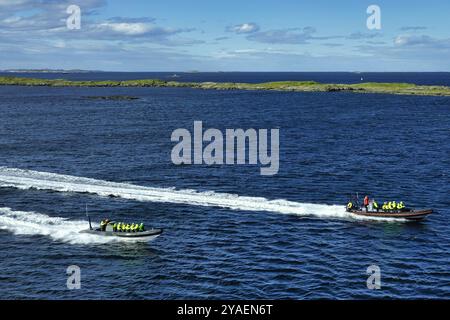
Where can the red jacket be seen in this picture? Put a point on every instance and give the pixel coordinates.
(366, 200)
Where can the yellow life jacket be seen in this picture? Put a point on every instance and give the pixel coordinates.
(349, 205)
(375, 204)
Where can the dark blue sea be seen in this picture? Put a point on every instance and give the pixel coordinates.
(229, 232)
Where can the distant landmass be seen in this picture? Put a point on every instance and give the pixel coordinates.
(50, 71)
(305, 86)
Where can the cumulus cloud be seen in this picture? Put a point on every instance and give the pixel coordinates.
(132, 20)
(286, 36)
(249, 27)
(421, 41)
(139, 29)
(41, 15)
(131, 32)
(47, 19)
(412, 52)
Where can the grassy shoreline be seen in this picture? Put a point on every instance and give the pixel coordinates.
(298, 86)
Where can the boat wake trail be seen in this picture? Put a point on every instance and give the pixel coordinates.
(27, 179)
(61, 229)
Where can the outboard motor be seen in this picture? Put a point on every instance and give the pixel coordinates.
(89, 219)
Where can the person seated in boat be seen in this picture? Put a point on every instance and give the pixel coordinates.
(133, 227)
(385, 206)
(375, 205)
(349, 206)
(141, 227)
(392, 206)
(400, 206)
(103, 224)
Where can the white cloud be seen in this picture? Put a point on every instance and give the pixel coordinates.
(244, 28)
(132, 29)
(421, 41)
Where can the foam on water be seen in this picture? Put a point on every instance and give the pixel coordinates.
(57, 228)
(26, 179)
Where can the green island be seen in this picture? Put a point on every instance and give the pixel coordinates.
(299, 86)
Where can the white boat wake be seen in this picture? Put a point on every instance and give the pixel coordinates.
(27, 179)
(60, 229)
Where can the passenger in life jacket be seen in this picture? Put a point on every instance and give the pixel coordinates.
(375, 205)
(389, 206)
(400, 206)
(385, 206)
(141, 227)
(103, 224)
(366, 203)
(349, 206)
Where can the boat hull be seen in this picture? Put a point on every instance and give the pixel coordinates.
(409, 215)
(142, 236)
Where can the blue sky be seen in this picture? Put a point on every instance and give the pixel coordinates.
(231, 35)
